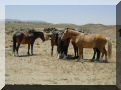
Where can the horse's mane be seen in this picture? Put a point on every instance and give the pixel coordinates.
(72, 31)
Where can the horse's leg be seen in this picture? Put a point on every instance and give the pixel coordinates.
(31, 49)
(17, 48)
(74, 48)
(80, 54)
(52, 50)
(65, 52)
(14, 49)
(105, 52)
(94, 49)
(98, 54)
(77, 51)
(102, 51)
(14, 45)
(28, 49)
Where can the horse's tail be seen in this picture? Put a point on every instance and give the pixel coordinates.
(109, 48)
(14, 43)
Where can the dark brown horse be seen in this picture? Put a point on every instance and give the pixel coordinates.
(26, 37)
(62, 46)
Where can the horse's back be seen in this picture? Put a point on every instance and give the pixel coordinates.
(93, 40)
(22, 37)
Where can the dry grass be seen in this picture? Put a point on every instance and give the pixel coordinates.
(44, 69)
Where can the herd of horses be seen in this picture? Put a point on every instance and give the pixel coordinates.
(62, 39)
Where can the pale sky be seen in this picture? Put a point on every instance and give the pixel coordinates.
(62, 2)
(75, 14)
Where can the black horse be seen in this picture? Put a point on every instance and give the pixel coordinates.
(55, 37)
(62, 47)
(26, 37)
(49, 30)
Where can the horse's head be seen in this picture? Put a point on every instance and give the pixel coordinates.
(47, 36)
(49, 30)
(46, 30)
(66, 34)
(41, 35)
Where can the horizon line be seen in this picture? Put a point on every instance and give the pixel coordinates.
(53, 22)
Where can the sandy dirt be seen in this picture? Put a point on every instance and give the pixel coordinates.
(43, 69)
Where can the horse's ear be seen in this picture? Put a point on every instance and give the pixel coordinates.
(67, 30)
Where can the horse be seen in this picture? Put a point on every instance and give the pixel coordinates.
(62, 46)
(89, 41)
(26, 37)
(96, 51)
(49, 30)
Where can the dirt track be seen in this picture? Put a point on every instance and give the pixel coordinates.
(43, 69)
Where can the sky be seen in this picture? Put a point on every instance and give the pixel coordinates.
(75, 14)
(61, 2)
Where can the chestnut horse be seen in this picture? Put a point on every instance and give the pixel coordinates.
(26, 37)
(88, 41)
(96, 51)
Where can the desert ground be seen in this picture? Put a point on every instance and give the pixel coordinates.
(44, 69)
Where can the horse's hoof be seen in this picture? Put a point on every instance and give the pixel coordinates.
(101, 61)
(58, 57)
(14, 55)
(82, 61)
(17, 55)
(65, 57)
(77, 60)
(91, 60)
(76, 57)
(106, 61)
(97, 60)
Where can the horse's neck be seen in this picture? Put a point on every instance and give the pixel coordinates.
(74, 33)
(78, 37)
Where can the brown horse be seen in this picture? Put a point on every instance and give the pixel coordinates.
(26, 37)
(88, 41)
